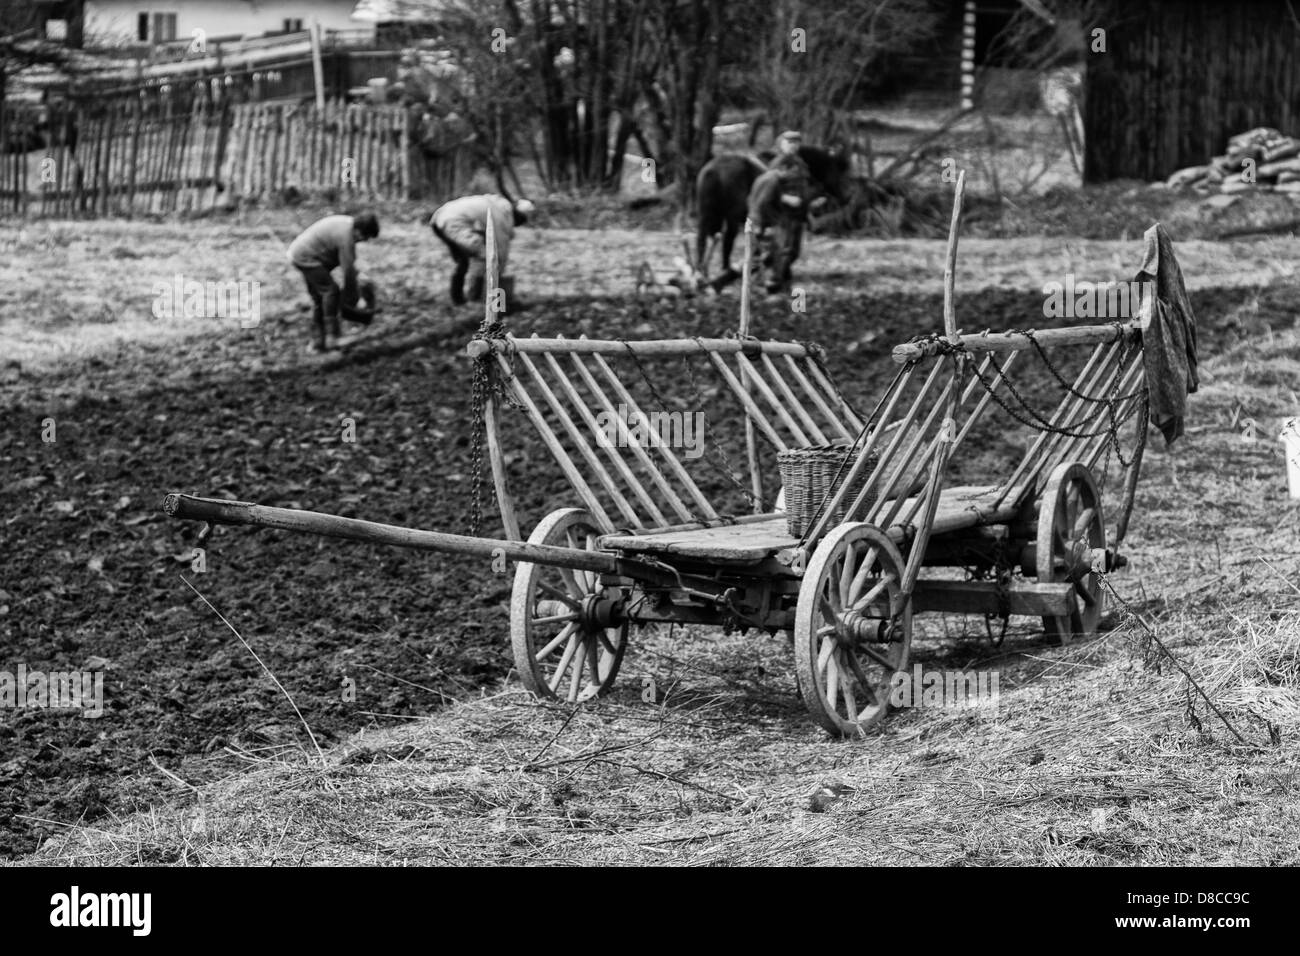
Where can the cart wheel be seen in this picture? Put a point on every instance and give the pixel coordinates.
(852, 628)
(1069, 528)
(561, 620)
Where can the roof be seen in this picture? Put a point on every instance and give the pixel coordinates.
(402, 11)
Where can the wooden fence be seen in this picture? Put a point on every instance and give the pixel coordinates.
(164, 155)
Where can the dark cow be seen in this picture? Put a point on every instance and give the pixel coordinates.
(722, 193)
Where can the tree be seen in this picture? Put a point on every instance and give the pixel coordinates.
(814, 59)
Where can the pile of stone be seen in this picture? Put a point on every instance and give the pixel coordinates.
(1260, 160)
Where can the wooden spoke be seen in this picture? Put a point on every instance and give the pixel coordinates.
(575, 681)
(862, 677)
(850, 701)
(555, 619)
(574, 643)
(559, 639)
(552, 591)
(878, 657)
(832, 681)
(823, 655)
(593, 657)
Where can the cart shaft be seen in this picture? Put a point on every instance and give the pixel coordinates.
(221, 511)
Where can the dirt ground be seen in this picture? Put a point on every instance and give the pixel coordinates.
(90, 577)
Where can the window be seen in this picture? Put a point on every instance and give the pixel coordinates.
(142, 28)
(293, 24)
(56, 30)
(164, 27)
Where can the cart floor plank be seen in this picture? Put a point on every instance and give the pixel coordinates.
(756, 541)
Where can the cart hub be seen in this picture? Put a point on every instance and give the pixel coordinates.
(853, 627)
(602, 610)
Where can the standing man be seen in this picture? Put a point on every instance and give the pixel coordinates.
(326, 245)
(778, 205)
(788, 145)
(462, 225)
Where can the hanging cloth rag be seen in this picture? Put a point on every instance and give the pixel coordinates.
(1169, 335)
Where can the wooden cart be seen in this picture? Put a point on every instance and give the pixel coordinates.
(643, 542)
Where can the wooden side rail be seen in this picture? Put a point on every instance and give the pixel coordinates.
(586, 346)
(1016, 341)
(599, 420)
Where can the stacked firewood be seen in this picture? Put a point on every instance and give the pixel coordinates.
(1258, 160)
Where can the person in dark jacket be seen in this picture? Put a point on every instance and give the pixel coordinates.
(778, 206)
(326, 245)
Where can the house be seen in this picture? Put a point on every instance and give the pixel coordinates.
(129, 22)
(1177, 78)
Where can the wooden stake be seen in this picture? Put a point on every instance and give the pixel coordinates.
(948, 434)
(950, 264)
(317, 68)
(751, 440)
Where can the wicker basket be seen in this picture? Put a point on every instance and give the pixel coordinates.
(811, 477)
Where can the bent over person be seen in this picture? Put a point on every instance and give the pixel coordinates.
(326, 245)
(462, 226)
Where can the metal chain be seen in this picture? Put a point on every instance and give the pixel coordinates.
(1104, 409)
(486, 387)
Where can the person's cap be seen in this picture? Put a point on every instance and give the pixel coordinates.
(524, 207)
(791, 136)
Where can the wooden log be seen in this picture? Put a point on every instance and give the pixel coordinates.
(985, 597)
(586, 346)
(220, 511)
(1011, 341)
